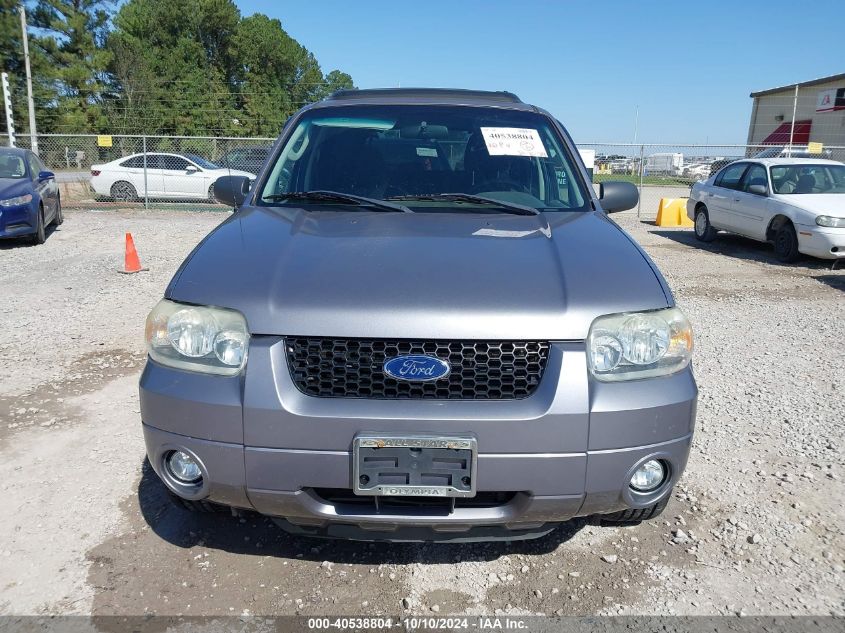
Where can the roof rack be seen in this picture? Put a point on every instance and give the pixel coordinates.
(453, 93)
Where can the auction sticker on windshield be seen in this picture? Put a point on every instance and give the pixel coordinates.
(513, 141)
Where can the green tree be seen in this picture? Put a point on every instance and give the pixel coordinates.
(276, 75)
(185, 68)
(70, 39)
(267, 61)
(337, 80)
(171, 68)
(12, 62)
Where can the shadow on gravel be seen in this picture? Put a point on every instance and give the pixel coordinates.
(741, 247)
(8, 243)
(834, 281)
(254, 534)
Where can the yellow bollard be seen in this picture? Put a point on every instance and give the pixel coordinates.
(673, 212)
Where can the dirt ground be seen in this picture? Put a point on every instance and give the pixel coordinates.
(756, 526)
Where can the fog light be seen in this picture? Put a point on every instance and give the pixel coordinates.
(183, 467)
(649, 476)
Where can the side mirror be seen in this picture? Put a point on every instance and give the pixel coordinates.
(191, 169)
(231, 190)
(45, 175)
(617, 195)
(758, 190)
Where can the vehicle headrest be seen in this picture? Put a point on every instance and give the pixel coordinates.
(805, 183)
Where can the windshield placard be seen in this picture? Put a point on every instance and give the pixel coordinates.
(513, 141)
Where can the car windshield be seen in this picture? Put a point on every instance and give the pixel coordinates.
(12, 166)
(199, 160)
(808, 179)
(417, 153)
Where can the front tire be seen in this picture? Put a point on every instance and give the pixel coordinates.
(200, 506)
(786, 243)
(60, 217)
(211, 197)
(633, 516)
(704, 231)
(40, 235)
(122, 191)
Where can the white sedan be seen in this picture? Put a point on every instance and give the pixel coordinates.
(797, 204)
(172, 176)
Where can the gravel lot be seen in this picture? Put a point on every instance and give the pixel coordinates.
(756, 527)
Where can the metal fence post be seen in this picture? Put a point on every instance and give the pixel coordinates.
(144, 146)
(640, 199)
(792, 127)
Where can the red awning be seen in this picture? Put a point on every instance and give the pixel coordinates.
(801, 135)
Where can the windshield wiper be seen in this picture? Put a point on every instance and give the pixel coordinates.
(512, 207)
(336, 196)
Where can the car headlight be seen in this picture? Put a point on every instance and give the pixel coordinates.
(13, 202)
(830, 221)
(639, 345)
(197, 338)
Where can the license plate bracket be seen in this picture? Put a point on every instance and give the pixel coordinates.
(414, 465)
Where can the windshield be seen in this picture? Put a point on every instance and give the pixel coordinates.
(199, 160)
(385, 152)
(798, 179)
(12, 166)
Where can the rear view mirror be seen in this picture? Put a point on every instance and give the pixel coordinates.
(617, 195)
(231, 190)
(758, 190)
(191, 169)
(45, 175)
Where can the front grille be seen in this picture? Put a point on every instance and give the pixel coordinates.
(352, 368)
(348, 501)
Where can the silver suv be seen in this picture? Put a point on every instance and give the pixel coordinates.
(420, 324)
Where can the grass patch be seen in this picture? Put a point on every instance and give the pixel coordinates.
(666, 181)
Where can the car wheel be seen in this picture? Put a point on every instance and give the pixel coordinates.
(704, 231)
(211, 197)
(60, 217)
(786, 243)
(633, 516)
(123, 192)
(40, 235)
(201, 506)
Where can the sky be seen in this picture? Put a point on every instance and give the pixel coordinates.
(688, 66)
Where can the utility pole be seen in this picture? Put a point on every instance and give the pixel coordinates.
(32, 132)
(792, 127)
(7, 102)
(636, 124)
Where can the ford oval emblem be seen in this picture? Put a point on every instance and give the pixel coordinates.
(416, 368)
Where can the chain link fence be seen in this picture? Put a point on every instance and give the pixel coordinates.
(175, 171)
(148, 171)
(669, 171)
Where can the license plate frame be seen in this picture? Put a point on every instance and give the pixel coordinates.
(406, 464)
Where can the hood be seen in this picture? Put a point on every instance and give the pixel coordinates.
(817, 203)
(224, 171)
(13, 187)
(428, 275)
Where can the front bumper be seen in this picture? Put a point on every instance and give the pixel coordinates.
(821, 242)
(17, 221)
(568, 450)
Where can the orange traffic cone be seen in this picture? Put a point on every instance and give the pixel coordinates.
(131, 262)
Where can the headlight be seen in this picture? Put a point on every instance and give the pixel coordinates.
(830, 221)
(639, 345)
(197, 338)
(13, 202)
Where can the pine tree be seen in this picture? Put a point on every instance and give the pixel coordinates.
(72, 46)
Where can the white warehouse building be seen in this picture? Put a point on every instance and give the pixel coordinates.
(819, 113)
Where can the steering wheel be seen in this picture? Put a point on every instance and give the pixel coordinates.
(393, 190)
(502, 185)
(283, 181)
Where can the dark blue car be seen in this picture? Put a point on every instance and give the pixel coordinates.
(29, 196)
